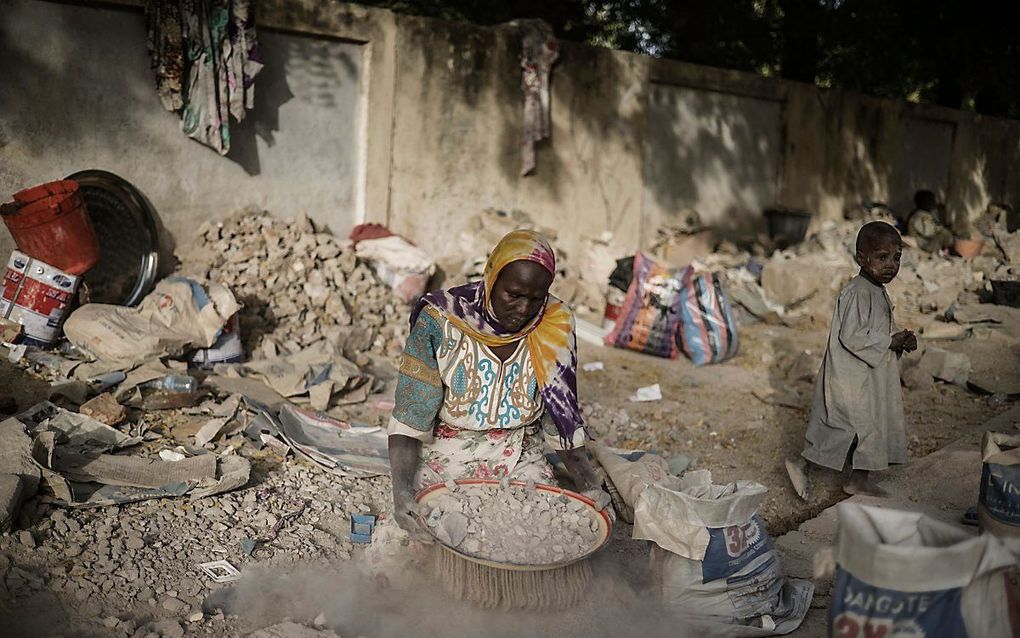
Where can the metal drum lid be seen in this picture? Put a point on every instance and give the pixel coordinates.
(125, 224)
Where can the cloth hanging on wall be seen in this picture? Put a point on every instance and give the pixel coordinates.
(205, 56)
(539, 50)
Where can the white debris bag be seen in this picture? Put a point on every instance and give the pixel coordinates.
(399, 264)
(179, 315)
(999, 498)
(632, 477)
(902, 574)
(714, 560)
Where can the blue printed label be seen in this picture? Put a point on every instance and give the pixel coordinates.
(731, 549)
(859, 610)
(1000, 492)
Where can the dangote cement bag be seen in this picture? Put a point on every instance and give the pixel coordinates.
(650, 316)
(902, 574)
(999, 498)
(708, 330)
(714, 560)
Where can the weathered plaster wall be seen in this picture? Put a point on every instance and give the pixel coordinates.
(457, 131)
(364, 114)
(77, 92)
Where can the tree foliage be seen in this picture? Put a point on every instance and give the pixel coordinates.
(949, 52)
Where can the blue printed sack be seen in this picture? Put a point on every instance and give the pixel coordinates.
(714, 561)
(999, 497)
(902, 574)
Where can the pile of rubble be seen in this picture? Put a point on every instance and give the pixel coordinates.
(298, 286)
(801, 282)
(135, 570)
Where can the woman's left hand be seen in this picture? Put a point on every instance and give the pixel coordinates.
(600, 496)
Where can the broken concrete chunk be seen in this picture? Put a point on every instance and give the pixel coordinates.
(105, 409)
(788, 281)
(452, 529)
(11, 489)
(944, 330)
(16, 456)
(916, 377)
(952, 367)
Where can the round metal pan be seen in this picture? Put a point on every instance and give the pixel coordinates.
(125, 224)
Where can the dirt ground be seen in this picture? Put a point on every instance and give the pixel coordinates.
(120, 571)
(711, 414)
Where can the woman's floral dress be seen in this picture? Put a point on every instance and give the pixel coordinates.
(476, 416)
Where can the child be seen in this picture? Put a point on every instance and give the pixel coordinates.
(857, 412)
(925, 224)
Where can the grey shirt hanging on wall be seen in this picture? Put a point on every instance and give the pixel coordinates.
(857, 393)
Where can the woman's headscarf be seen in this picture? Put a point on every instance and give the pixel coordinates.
(549, 335)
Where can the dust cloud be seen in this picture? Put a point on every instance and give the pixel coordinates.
(356, 604)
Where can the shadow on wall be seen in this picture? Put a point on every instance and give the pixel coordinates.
(716, 153)
(35, 118)
(603, 98)
(465, 114)
(312, 63)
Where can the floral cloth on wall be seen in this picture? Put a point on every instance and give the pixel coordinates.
(205, 56)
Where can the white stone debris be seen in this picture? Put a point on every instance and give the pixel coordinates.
(514, 524)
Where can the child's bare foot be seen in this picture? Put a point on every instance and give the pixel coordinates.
(861, 483)
(798, 469)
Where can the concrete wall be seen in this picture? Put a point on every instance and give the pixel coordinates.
(717, 153)
(364, 114)
(457, 130)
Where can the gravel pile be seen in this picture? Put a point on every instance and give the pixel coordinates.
(298, 286)
(133, 570)
(519, 524)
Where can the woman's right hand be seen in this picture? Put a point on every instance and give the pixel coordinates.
(406, 514)
(403, 463)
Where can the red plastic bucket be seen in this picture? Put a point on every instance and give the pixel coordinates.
(51, 224)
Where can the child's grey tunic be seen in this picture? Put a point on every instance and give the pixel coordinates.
(857, 392)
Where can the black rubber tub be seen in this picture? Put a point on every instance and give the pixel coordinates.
(787, 227)
(1006, 293)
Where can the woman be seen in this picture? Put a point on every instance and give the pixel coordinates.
(488, 375)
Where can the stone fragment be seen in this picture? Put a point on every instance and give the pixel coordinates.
(25, 538)
(917, 377)
(173, 605)
(166, 628)
(952, 367)
(104, 408)
(11, 491)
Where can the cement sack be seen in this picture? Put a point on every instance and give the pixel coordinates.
(999, 498)
(901, 574)
(714, 560)
(650, 316)
(630, 478)
(179, 315)
(399, 264)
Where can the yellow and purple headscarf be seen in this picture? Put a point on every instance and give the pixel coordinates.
(550, 336)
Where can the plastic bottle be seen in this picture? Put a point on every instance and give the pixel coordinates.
(174, 384)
